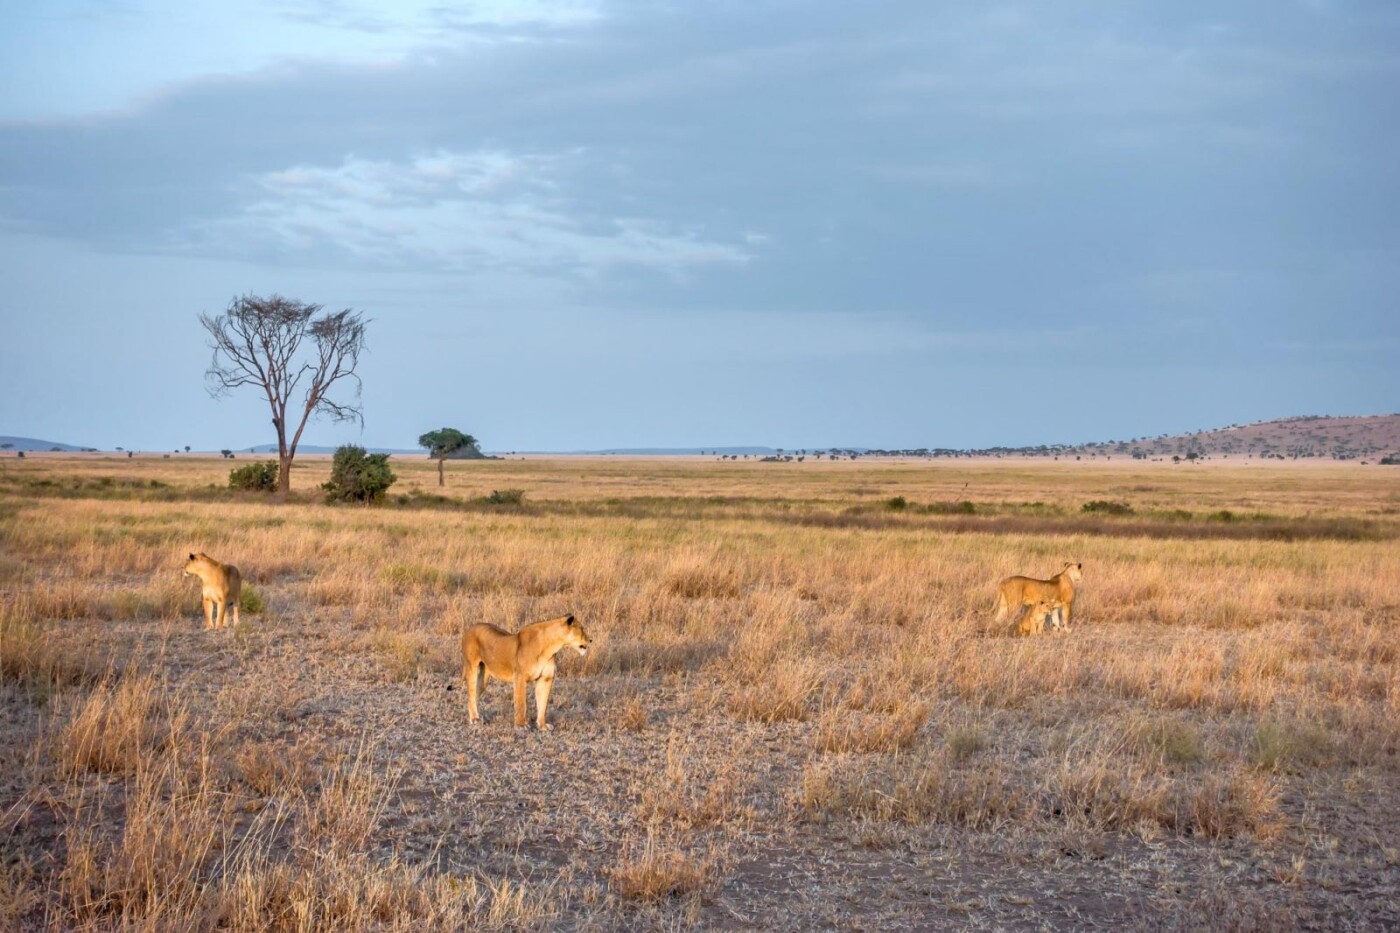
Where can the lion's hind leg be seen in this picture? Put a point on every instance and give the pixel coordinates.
(1003, 608)
(474, 673)
(521, 720)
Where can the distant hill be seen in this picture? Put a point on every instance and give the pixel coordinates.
(28, 444)
(1366, 437)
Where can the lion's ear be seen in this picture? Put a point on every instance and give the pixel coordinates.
(191, 557)
(569, 620)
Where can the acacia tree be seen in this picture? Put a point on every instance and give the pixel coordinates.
(259, 342)
(444, 442)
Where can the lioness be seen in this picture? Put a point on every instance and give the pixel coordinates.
(223, 586)
(1032, 621)
(526, 656)
(1017, 592)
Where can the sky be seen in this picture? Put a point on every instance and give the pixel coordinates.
(593, 224)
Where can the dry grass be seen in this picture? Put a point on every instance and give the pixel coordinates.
(653, 871)
(782, 663)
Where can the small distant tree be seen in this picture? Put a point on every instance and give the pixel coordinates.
(187, 448)
(258, 342)
(358, 477)
(444, 442)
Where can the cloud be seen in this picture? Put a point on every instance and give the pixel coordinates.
(448, 211)
(948, 160)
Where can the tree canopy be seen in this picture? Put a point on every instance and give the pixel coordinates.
(444, 442)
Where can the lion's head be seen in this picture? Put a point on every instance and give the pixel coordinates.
(574, 635)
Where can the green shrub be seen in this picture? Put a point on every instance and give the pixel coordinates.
(506, 497)
(260, 477)
(897, 504)
(1108, 507)
(358, 477)
(250, 602)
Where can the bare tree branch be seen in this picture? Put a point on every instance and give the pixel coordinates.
(256, 342)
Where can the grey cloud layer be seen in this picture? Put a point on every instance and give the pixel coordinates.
(923, 147)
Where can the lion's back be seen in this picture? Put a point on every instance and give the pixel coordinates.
(485, 642)
(1027, 589)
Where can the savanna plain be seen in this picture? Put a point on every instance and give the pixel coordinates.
(797, 712)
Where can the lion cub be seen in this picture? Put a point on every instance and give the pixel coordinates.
(1016, 592)
(222, 588)
(1032, 621)
(526, 656)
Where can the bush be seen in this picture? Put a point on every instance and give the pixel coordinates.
(250, 601)
(358, 477)
(506, 497)
(965, 507)
(897, 504)
(260, 477)
(1108, 507)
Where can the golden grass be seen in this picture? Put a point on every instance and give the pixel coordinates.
(655, 871)
(811, 657)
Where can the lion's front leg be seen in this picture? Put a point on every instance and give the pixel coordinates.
(542, 688)
(208, 613)
(520, 718)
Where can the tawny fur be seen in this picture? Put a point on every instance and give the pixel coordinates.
(1015, 593)
(524, 657)
(1032, 621)
(223, 586)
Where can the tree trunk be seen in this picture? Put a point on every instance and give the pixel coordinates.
(284, 476)
(442, 458)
